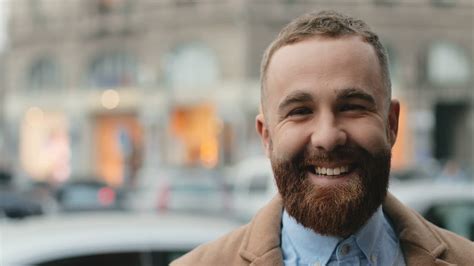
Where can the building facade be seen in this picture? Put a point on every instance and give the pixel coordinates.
(111, 87)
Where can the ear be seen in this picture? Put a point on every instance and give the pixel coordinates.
(393, 116)
(262, 131)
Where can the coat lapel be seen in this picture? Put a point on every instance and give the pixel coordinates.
(420, 245)
(261, 244)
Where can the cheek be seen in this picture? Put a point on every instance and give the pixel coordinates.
(288, 141)
(371, 137)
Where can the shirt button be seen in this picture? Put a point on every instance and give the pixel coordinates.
(317, 263)
(373, 259)
(345, 249)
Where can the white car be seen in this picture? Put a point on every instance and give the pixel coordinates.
(253, 186)
(180, 190)
(105, 238)
(448, 205)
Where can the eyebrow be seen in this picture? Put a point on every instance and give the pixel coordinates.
(294, 97)
(355, 93)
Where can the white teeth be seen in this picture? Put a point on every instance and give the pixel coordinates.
(331, 171)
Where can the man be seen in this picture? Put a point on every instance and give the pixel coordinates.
(328, 124)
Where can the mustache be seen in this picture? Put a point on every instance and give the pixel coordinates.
(339, 154)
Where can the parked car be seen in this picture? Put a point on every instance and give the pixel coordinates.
(15, 205)
(88, 195)
(108, 238)
(448, 205)
(253, 186)
(181, 190)
(13, 202)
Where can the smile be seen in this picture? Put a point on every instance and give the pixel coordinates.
(329, 171)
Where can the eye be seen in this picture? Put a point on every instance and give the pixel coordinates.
(300, 111)
(352, 107)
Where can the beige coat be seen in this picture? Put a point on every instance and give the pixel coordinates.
(258, 243)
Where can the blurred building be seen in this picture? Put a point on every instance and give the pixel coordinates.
(106, 87)
(2, 110)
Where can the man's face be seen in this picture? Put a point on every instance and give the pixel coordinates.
(328, 131)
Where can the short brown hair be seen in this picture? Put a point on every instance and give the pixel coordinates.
(330, 24)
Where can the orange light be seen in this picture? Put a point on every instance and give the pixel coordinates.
(402, 150)
(198, 129)
(209, 152)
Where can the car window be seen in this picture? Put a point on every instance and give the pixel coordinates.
(80, 196)
(165, 257)
(157, 258)
(457, 216)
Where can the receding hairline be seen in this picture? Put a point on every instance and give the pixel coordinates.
(327, 24)
(315, 37)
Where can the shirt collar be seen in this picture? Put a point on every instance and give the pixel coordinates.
(308, 245)
(311, 246)
(375, 236)
(370, 235)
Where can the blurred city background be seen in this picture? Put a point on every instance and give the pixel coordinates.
(148, 106)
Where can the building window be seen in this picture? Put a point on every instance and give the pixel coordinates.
(113, 70)
(113, 6)
(37, 13)
(105, 6)
(447, 64)
(185, 2)
(191, 65)
(443, 3)
(386, 2)
(43, 74)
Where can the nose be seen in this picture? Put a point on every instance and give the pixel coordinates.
(327, 133)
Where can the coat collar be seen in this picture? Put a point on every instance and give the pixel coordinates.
(261, 243)
(420, 245)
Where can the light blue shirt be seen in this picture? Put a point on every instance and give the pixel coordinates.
(374, 244)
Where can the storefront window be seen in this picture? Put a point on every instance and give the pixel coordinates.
(119, 148)
(196, 130)
(44, 146)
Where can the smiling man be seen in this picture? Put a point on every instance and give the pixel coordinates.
(328, 124)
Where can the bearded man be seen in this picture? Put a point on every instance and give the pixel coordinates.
(328, 123)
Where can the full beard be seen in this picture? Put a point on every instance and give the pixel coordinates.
(334, 210)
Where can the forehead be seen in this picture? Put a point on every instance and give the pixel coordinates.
(324, 63)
